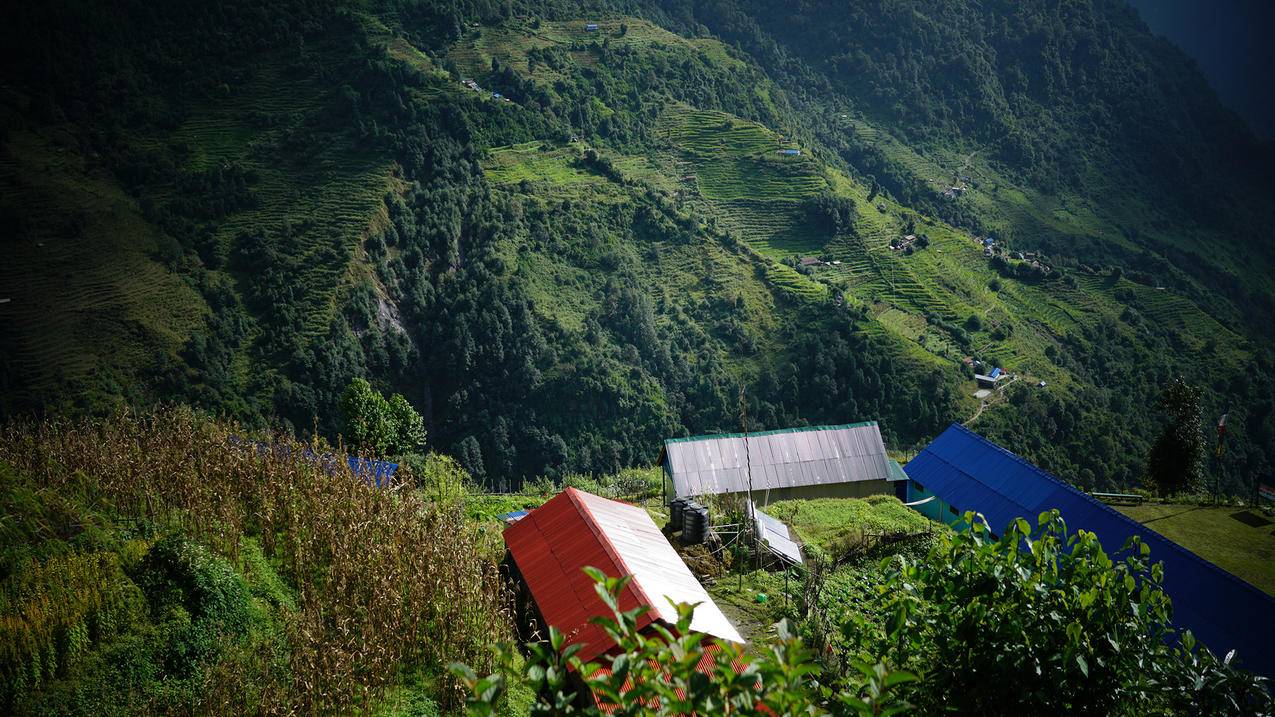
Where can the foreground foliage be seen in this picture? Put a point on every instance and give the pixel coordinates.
(150, 565)
(1039, 621)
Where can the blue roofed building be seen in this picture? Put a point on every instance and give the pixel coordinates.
(373, 472)
(961, 471)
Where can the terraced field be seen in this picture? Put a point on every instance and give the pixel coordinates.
(774, 228)
(327, 192)
(508, 45)
(729, 169)
(536, 161)
(753, 190)
(77, 317)
(83, 322)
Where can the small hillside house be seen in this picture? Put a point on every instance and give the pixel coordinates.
(847, 461)
(551, 545)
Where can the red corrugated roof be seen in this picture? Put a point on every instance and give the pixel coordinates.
(550, 546)
(555, 541)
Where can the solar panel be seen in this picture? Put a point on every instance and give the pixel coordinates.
(775, 535)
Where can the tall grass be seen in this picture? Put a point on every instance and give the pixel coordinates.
(385, 581)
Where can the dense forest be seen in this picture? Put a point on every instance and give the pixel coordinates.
(245, 206)
(512, 246)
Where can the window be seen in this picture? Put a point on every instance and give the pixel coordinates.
(954, 510)
(918, 486)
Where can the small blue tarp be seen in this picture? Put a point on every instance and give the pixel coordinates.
(379, 474)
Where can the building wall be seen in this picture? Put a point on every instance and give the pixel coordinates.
(937, 509)
(856, 489)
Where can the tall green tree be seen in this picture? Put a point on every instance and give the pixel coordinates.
(1176, 460)
(372, 424)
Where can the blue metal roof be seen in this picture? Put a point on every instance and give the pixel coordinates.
(513, 516)
(1224, 612)
(373, 472)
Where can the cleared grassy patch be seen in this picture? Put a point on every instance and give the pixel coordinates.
(1239, 540)
(824, 522)
(536, 161)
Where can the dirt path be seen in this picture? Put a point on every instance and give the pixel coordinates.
(982, 405)
(997, 396)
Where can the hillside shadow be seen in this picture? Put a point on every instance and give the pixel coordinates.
(1251, 519)
(1171, 515)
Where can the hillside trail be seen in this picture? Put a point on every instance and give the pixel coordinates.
(982, 405)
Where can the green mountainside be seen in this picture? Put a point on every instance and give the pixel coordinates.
(563, 244)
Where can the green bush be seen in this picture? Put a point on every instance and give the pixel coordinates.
(198, 597)
(1037, 622)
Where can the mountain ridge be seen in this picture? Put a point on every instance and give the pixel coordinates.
(560, 280)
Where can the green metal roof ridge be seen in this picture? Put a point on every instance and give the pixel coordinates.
(795, 429)
(896, 470)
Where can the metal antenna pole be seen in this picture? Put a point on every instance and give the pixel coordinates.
(748, 464)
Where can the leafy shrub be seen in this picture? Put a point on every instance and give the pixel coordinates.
(55, 613)
(637, 483)
(380, 580)
(1035, 622)
(200, 597)
(1041, 619)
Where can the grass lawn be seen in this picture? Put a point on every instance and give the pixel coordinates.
(1240, 540)
(738, 599)
(822, 522)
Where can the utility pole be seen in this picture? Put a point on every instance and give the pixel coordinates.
(748, 465)
(1221, 449)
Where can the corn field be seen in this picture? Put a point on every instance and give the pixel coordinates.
(384, 579)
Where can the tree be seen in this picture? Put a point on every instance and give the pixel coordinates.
(371, 424)
(1176, 460)
(409, 427)
(470, 455)
(831, 213)
(443, 479)
(365, 418)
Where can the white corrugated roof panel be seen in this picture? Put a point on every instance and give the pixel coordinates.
(657, 569)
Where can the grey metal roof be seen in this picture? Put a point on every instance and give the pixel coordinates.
(820, 455)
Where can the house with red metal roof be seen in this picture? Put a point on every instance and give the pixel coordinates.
(553, 543)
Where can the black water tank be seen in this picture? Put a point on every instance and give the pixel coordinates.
(675, 513)
(694, 524)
